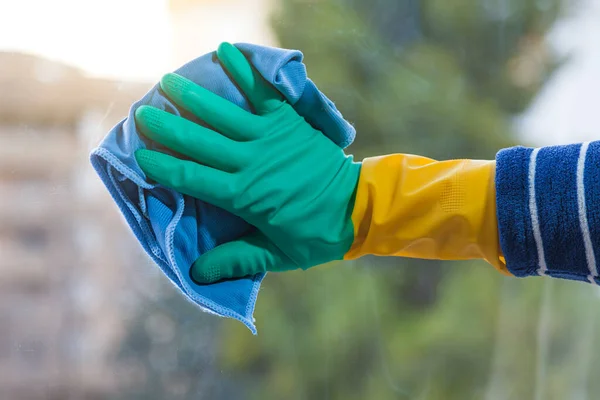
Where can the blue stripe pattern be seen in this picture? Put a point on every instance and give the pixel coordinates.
(548, 205)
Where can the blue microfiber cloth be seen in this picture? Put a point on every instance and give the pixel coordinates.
(548, 203)
(175, 229)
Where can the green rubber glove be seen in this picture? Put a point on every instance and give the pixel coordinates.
(272, 169)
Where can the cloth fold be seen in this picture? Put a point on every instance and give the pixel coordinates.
(175, 229)
(548, 203)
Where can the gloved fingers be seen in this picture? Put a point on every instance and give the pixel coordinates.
(264, 97)
(224, 116)
(205, 183)
(249, 255)
(195, 141)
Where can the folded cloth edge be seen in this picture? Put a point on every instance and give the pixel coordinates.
(204, 303)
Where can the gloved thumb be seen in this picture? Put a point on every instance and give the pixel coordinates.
(249, 255)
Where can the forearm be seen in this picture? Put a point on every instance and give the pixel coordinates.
(413, 206)
(531, 212)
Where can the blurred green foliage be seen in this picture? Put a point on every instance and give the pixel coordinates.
(437, 78)
(449, 92)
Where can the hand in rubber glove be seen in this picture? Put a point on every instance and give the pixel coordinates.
(271, 168)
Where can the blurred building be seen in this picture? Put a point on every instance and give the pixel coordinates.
(63, 247)
(200, 25)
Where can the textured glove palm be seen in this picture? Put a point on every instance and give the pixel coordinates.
(271, 168)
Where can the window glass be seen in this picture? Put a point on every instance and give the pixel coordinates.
(85, 314)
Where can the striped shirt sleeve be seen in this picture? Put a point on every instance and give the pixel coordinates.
(548, 208)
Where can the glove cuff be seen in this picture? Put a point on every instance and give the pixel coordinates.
(413, 206)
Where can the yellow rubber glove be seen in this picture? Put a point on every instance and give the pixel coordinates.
(413, 206)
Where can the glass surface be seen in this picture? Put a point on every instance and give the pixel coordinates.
(84, 314)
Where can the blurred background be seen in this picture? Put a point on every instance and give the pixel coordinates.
(84, 314)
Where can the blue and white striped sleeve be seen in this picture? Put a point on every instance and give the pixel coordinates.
(548, 207)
